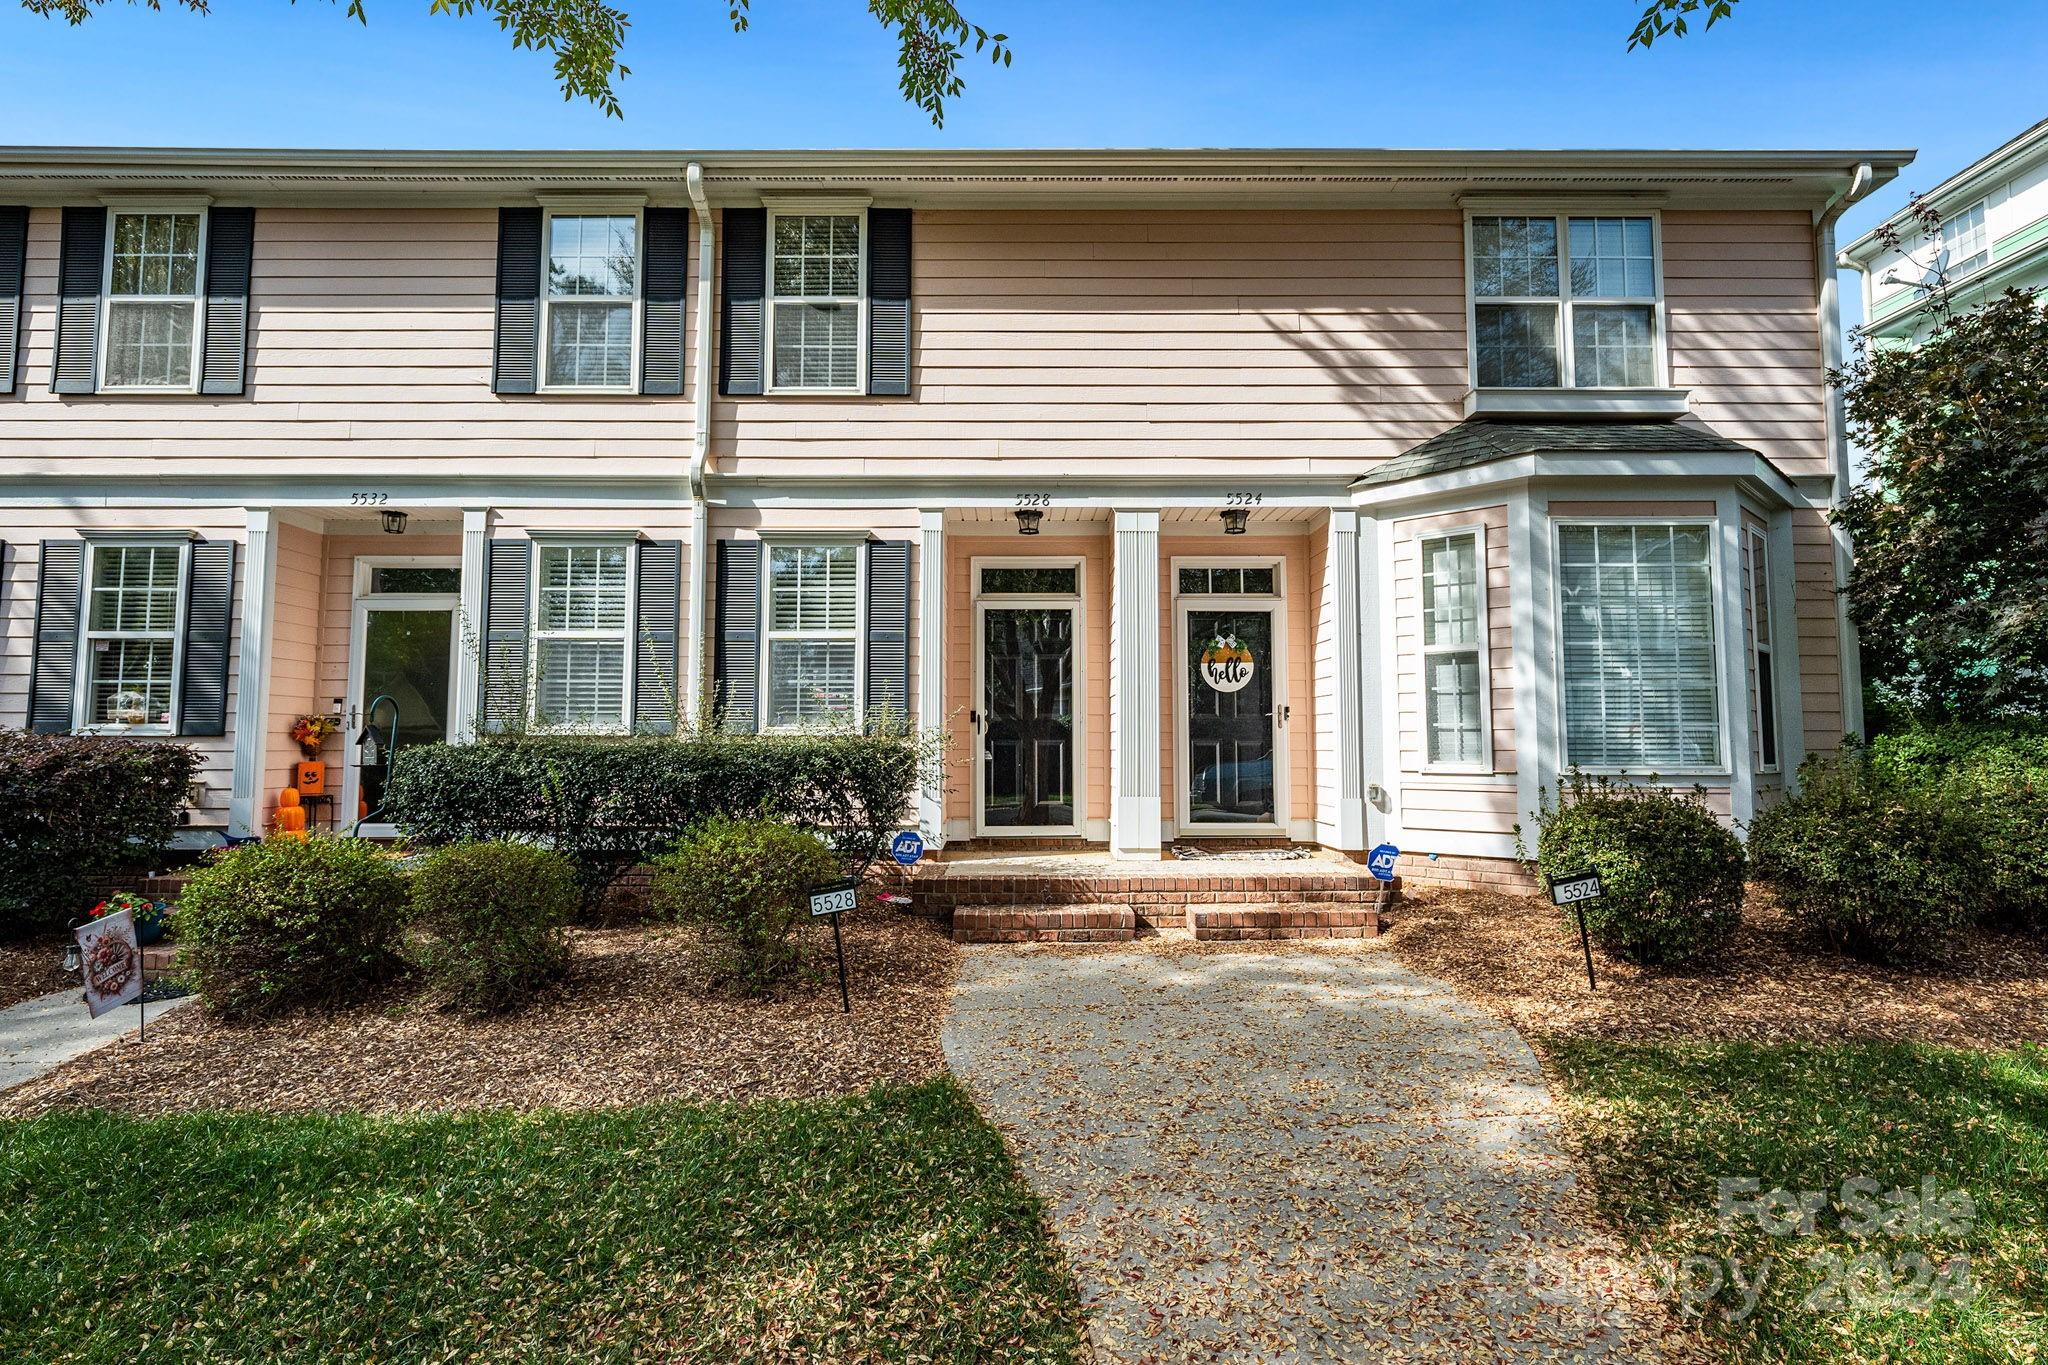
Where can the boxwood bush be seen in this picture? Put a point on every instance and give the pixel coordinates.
(290, 922)
(1671, 873)
(745, 884)
(1997, 774)
(607, 804)
(74, 808)
(488, 921)
(1877, 867)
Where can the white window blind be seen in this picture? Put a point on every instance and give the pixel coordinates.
(1637, 637)
(813, 634)
(814, 289)
(153, 283)
(132, 635)
(579, 636)
(593, 280)
(1453, 595)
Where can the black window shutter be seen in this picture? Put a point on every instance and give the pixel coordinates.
(515, 364)
(13, 258)
(742, 349)
(507, 576)
(83, 251)
(53, 675)
(230, 245)
(657, 611)
(888, 642)
(664, 266)
(209, 595)
(736, 654)
(889, 302)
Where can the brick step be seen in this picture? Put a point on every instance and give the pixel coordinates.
(1244, 923)
(1044, 924)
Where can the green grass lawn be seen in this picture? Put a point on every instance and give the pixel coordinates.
(1663, 1124)
(890, 1225)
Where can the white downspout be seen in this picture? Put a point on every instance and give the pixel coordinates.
(695, 681)
(1825, 219)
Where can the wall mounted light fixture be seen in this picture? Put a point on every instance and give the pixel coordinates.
(394, 523)
(1233, 520)
(1027, 520)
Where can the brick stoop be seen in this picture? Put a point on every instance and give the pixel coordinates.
(1044, 924)
(1244, 923)
(1161, 896)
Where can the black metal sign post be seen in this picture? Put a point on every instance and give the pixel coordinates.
(1575, 891)
(834, 899)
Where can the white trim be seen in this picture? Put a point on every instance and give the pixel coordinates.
(1075, 603)
(552, 211)
(360, 577)
(197, 298)
(83, 724)
(859, 299)
(252, 673)
(1738, 743)
(931, 668)
(626, 636)
(1278, 719)
(1756, 558)
(1537, 747)
(1344, 827)
(572, 204)
(356, 703)
(469, 623)
(857, 636)
(1482, 648)
(1570, 402)
(1135, 817)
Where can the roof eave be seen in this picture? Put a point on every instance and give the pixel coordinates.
(1746, 469)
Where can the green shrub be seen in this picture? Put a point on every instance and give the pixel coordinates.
(290, 922)
(1998, 775)
(1878, 867)
(489, 919)
(745, 884)
(607, 804)
(1670, 871)
(74, 808)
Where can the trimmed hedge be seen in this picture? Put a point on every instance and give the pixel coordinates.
(745, 884)
(607, 804)
(290, 922)
(1998, 775)
(489, 919)
(1671, 873)
(74, 808)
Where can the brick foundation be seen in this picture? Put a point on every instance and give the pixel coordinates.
(1230, 924)
(1459, 872)
(1044, 924)
(1160, 898)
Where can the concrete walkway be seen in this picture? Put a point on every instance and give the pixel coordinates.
(42, 1034)
(1290, 1155)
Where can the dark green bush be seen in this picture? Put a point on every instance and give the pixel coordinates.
(1996, 774)
(607, 804)
(1671, 873)
(74, 808)
(290, 922)
(745, 884)
(489, 920)
(1877, 867)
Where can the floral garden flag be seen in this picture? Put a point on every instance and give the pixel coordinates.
(112, 962)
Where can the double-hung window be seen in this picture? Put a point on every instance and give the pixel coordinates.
(1454, 650)
(1765, 657)
(132, 609)
(1966, 242)
(1565, 302)
(815, 268)
(813, 635)
(153, 300)
(1636, 638)
(592, 300)
(582, 620)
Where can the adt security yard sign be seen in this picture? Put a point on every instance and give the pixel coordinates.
(1575, 891)
(835, 899)
(1380, 862)
(907, 847)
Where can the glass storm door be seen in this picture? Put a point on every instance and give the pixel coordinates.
(1027, 732)
(408, 655)
(1229, 681)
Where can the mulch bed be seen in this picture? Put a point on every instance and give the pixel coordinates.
(30, 969)
(636, 1019)
(1520, 958)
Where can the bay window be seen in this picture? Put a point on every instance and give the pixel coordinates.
(815, 268)
(131, 636)
(1565, 302)
(152, 301)
(813, 632)
(1764, 659)
(1454, 674)
(590, 300)
(1636, 640)
(581, 639)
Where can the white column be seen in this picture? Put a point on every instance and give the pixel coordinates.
(1539, 747)
(931, 669)
(1135, 658)
(697, 613)
(1375, 683)
(469, 656)
(1351, 723)
(252, 674)
(1735, 710)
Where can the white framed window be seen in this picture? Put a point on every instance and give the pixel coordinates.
(1455, 674)
(590, 302)
(1638, 647)
(149, 338)
(817, 265)
(812, 642)
(1566, 301)
(134, 623)
(582, 635)
(1764, 661)
(1966, 241)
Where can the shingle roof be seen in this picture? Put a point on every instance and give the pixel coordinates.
(1479, 441)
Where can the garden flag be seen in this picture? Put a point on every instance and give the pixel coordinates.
(111, 961)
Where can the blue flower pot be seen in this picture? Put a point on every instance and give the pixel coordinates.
(148, 931)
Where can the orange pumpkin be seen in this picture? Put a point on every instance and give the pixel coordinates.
(287, 798)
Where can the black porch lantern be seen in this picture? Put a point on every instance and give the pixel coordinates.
(394, 523)
(1027, 520)
(1233, 520)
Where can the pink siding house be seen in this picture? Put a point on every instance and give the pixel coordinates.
(1332, 497)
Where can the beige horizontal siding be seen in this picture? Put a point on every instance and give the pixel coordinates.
(1407, 670)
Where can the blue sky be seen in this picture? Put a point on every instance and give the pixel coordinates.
(1953, 81)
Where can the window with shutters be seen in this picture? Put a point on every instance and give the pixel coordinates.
(590, 301)
(133, 617)
(1565, 302)
(150, 337)
(1637, 641)
(1454, 656)
(816, 265)
(813, 616)
(582, 623)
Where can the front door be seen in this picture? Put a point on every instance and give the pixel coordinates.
(403, 675)
(1229, 684)
(1027, 720)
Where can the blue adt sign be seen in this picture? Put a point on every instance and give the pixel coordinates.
(1380, 862)
(907, 847)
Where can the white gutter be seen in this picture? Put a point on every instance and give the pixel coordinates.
(1824, 220)
(694, 675)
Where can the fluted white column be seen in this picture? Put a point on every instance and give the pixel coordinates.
(931, 669)
(1135, 658)
(469, 653)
